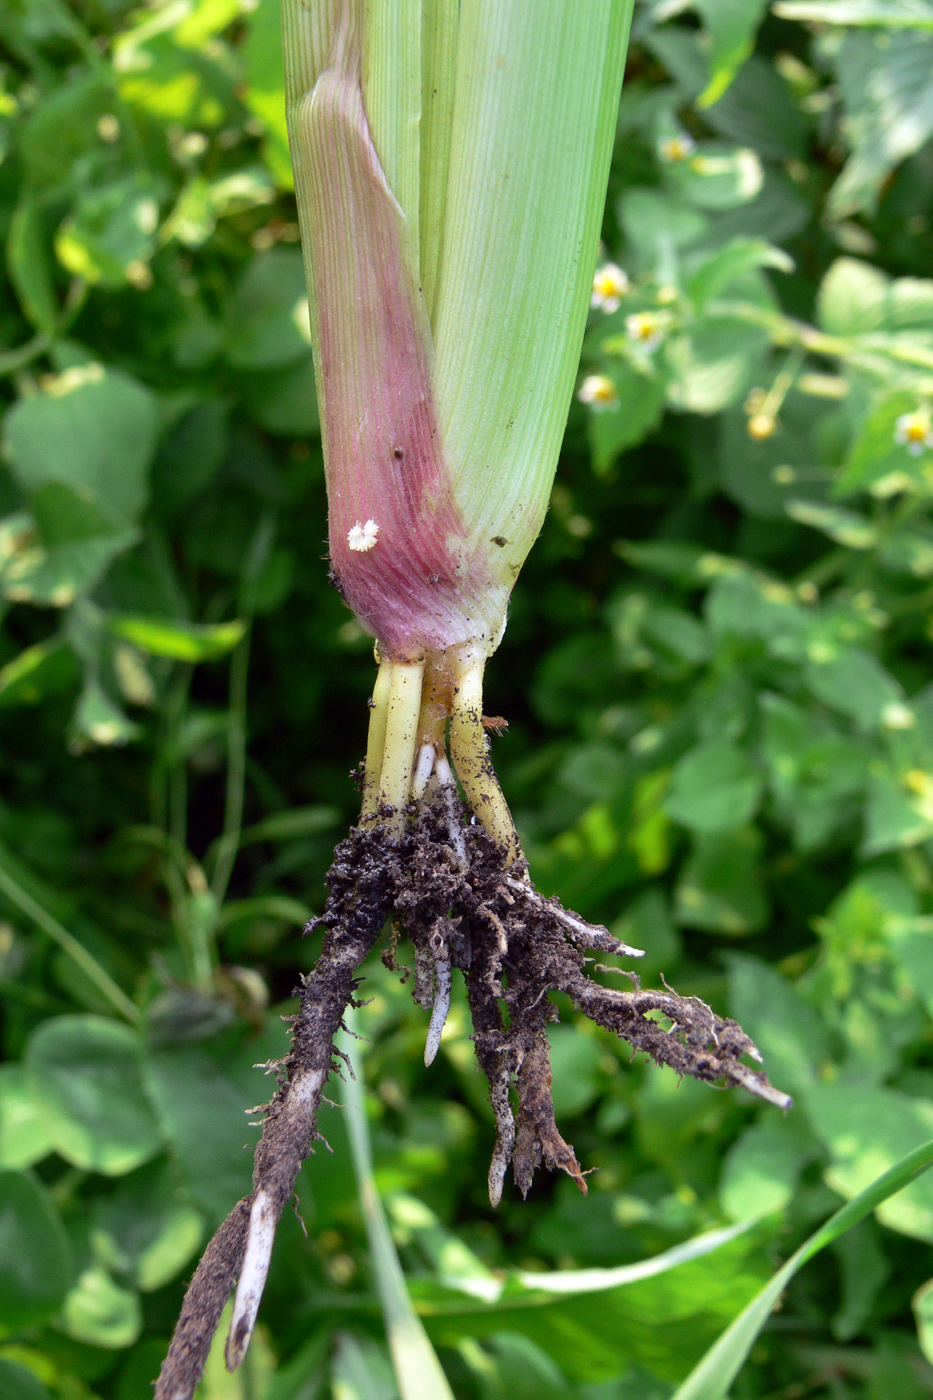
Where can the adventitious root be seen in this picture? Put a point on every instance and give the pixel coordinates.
(465, 902)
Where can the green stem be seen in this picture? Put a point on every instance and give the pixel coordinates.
(15, 360)
(417, 1369)
(236, 770)
(69, 945)
(403, 709)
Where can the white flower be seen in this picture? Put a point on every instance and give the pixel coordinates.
(362, 537)
(610, 284)
(914, 431)
(677, 148)
(646, 329)
(599, 391)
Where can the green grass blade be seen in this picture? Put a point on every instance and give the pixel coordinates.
(417, 1368)
(69, 945)
(712, 1378)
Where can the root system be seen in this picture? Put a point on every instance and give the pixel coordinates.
(464, 903)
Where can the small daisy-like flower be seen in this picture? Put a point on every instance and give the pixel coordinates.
(598, 391)
(645, 329)
(362, 537)
(609, 287)
(914, 431)
(677, 148)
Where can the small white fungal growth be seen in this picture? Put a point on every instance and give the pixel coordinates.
(363, 537)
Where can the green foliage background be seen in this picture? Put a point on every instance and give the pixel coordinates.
(716, 675)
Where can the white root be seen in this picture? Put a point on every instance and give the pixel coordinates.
(263, 1219)
(424, 767)
(262, 1222)
(505, 1138)
(442, 984)
(448, 788)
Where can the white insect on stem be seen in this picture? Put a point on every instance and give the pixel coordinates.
(362, 537)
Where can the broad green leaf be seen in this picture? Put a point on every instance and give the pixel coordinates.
(655, 222)
(923, 1312)
(896, 815)
(92, 431)
(56, 132)
(714, 788)
(761, 1168)
(787, 1031)
(853, 298)
(268, 320)
(35, 1260)
(866, 1130)
(100, 720)
(202, 1093)
(855, 684)
(141, 1231)
(718, 176)
(750, 605)
(912, 943)
(713, 1377)
(718, 270)
(40, 671)
(887, 91)
(19, 1383)
(758, 110)
(190, 455)
(714, 363)
(880, 460)
(283, 401)
(764, 474)
(25, 1136)
(54, 577)
(720, 887)
(180, 641)
(262, 55)
(846, 527)
(101, 1313)
(636, 411)
(576, 1062)
(88, 1072)
(28, 263)
(111, 236)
